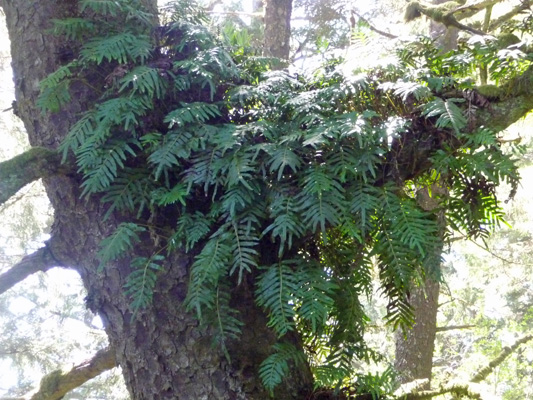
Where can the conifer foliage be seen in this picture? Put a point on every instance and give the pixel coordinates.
(299, 184)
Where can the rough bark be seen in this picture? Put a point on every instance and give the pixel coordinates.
(162, 351)
(414, 349)
(278, 30)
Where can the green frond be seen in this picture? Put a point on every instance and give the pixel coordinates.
(141, 281)
(129, 192)
(165, 197)
(102, 7)
(73, 28)
(244, 250)
(275, 367)
(191, 113)
(286, 223)
(119, 243)
(275, 289)
(209, 266)
(123, 47)
(101, 164)
(144, 80)
(448, 113)
(193, 228)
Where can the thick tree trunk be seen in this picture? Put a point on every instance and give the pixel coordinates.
(278, 29)
(162, 351)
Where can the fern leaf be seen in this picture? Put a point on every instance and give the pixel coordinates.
(141, 281)
(119, 242)
(192, 113)
(122, 47)
(275, 290)
(275, 367)
(144, 80)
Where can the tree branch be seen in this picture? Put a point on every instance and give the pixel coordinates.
(506, 352)
(524, 5)
(27, 167)
(40, 260)
(453, 327)
(373, 28)
(56, 384)
(445, 13)
(469, 389)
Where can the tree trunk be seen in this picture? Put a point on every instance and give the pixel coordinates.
(278, 30)
(414, 350)
(163, 352)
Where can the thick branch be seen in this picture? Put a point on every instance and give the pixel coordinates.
(509, 103)
(56, 384)
(27, 167)
(445, 13)
(41, 260)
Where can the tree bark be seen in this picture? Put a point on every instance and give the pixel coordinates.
(414, 350)
(278, 30)
(163, 352)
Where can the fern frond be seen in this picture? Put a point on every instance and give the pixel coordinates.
(211, 264)
(275, 289)
(244, 250)
(102, 7)
(275, 367)
(449, 114)
(122, 47)
(73, 28)
(192, 113)
(119, 242)
(144, 80)
(141, 281)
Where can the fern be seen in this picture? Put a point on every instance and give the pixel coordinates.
(119, 242)
(297, 185)
(123, 48)
(275, 367)
(144, 80)
(275, 292)
(193, 112)
(449, 114)
(141, 281)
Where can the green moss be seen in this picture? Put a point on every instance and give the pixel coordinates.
(490, 91)
(507, 39)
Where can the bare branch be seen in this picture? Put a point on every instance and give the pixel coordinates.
(453, 327)
(524, 5)
(470, 10)
(41, 260)
(506, 352)
(471, 388)
(237, 13)
(56, 384)
(27, 167)
(373, 28)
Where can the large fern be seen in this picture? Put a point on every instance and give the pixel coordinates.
(297, 185)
